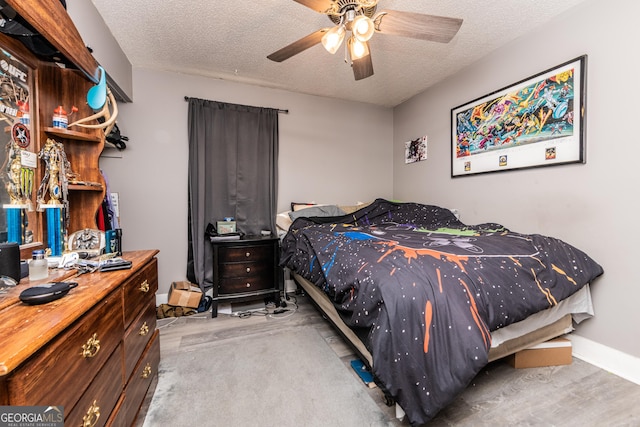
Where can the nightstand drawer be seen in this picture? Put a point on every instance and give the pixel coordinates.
(245, 269)
(244, 284)
(253, 253)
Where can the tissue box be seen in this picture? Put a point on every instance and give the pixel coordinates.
(225, 227)
(185, 294)
(551, 353)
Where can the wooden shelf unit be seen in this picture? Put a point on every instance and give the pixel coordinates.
(60, 86)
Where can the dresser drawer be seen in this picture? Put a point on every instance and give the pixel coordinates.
(139, 290)
(245, 269)
(144, 374)
(137, 337)
(256, 253)
(245, 284)
(101, 397)
(81, 350)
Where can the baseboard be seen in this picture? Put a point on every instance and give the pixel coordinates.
(161, 299)
(607, 358)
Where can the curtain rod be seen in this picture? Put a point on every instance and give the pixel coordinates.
(187, 98)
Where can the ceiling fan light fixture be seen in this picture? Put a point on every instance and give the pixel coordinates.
(362, 28)
(357, 48)
(334, 38)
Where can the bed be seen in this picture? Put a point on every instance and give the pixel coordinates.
(427, 300)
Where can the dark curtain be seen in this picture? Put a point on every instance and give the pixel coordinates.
(233, 165)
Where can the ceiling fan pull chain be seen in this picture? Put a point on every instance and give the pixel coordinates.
(346, 55)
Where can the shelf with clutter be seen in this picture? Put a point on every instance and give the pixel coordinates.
(53, 184)
(72, 134)
(51, 167)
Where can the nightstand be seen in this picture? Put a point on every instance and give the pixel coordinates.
(245, 269)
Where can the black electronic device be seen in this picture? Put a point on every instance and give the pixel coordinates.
(115, 264)
(47, 292)
(10, 260)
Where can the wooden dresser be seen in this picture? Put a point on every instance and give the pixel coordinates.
(94, 352)
(245, 269)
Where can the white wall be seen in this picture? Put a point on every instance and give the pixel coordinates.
(330, 152)
(106, 50)
(593, 206)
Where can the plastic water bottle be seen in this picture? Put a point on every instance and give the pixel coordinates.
(60, 119)
(38, 266)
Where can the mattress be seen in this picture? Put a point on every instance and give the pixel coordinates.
(540, 327)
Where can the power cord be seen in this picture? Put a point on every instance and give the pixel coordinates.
(249, 313)
(285, 308)
(280, 311)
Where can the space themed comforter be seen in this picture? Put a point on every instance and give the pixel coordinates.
(430, 289)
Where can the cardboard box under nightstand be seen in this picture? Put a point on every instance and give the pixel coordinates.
(185, 294)
(554, 352)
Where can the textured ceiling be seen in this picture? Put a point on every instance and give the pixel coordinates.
(230, 40)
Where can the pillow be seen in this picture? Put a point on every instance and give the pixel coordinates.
(295, 206)
(352, 209)
(283, 221)
(323, 210)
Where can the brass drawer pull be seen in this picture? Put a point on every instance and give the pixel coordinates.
(91, 348)
(93, 415)
(146, 372)
(144, 329)
(144, 287)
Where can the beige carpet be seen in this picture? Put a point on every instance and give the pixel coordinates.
(285, 378)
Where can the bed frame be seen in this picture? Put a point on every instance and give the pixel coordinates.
(558, 327)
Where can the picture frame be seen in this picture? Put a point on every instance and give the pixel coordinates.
(536, 122)
(415, 150)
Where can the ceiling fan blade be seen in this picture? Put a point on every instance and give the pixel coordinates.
(417, 25)
(318, 5)
(298, 46)
(363, 67)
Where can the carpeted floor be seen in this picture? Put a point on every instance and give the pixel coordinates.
(256, 379)
(293, 369)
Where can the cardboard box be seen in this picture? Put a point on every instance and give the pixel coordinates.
(185, 294)
(554, 352)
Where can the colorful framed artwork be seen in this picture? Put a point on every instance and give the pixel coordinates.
(415, 150)
(539, 121)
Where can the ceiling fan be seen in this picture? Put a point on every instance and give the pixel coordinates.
(359, 18)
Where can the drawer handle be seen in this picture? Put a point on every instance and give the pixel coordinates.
(146, 372)
(248, 269)
(248, 254)
(248, 285)
(144, 329)
(144, 287)
(93, 414)
(91, 348)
